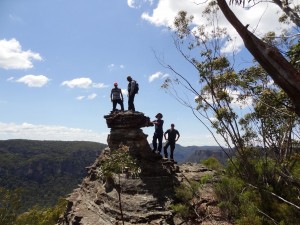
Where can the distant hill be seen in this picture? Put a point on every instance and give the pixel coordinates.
(197, 153)
(45, 170)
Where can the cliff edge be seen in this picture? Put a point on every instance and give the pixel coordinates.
(146, 198)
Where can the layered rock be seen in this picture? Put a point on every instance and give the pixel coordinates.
(145, 199)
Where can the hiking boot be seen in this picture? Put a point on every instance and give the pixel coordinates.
(173, 161)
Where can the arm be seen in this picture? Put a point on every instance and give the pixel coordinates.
(132, 87)
(121, 95)
(166, 135)
(155, 122)
(178, 136)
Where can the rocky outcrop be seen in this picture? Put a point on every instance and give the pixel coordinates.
(145, 199)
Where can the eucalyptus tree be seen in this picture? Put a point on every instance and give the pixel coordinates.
(269, 56)
(255, 117)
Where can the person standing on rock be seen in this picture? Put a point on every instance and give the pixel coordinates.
(158, 133)
(116, 97)
(173, 136)
(132, 90)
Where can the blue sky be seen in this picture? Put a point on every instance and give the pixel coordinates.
(60, 58)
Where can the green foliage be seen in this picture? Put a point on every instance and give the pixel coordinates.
(212, 163)
(254, 116)
(294, 55)
(248, 204)
(10, 202)
(238, 201)
(42, 216)
(46, 170)
(182, 210)
(188, 196)
(118, 162)
(186, 192)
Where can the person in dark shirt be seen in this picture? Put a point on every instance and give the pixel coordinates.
(131, 93)
(116, 97)
(173, 136)
(158, 133)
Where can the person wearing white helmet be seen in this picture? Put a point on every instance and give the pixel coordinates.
(116, 97)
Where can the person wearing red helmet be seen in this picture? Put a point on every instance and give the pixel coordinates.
(116, 97)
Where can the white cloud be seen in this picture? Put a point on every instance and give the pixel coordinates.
(238, 103)
(261, 18)
(92, 96)
(131, 3)
(138, 3)
(13, 57)
(99, 85)
(15, 18)
(82, 82)
(89, 97)
(235, 103)
(34, 80)
(79, 98)
(124, 91)
(47, 132)
(113, 66)
(157, 75)
(10, 79)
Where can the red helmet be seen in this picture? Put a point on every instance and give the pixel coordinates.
(115, 84)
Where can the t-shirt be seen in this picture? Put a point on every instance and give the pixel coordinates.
(172, 134)
(116, 93)
(159, 127)
(131, 86)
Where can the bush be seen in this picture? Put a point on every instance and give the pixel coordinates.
(212, 163)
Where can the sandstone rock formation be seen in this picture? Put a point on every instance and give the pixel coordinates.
(145, 199)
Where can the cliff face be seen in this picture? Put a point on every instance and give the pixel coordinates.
(145, 199)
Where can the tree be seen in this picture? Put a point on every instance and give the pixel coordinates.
(283, 72)
(285, 6)
(42, 216)
(118, 162)
(255, 118)
(10, 202)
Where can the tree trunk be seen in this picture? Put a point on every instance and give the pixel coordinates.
(288, 11)
(282, 72)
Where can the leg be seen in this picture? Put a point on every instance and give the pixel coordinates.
(154, 143)
(130, 103)
(172, 150)
(133, 108)
(122, 105)
(160, 137)
(119, 101)
(114, 105)
(166, 149)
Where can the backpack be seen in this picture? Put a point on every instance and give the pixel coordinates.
(136, 88)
